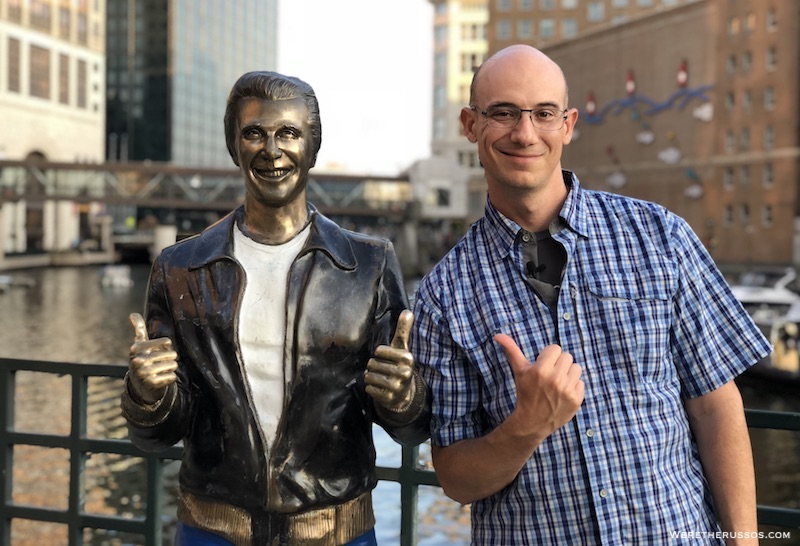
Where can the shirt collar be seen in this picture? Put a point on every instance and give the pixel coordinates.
(504, 230)
(325, 236)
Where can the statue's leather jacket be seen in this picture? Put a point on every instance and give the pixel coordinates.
(344, 295)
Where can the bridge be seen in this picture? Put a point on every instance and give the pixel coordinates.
(62, 208)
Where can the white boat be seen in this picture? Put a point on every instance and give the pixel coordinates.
(776, 310)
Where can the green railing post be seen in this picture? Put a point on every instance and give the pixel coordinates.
(6, 456)
(409, 494)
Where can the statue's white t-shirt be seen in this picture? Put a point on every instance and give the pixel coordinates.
(262, 322)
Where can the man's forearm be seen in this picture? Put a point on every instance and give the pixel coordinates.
(719, 426)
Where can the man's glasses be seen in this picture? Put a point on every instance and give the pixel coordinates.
(507, 117)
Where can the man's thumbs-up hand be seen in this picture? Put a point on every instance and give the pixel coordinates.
(152, 363)
(389, 377)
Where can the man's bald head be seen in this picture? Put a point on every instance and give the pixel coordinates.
(517, 57)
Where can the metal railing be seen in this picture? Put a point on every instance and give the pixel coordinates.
(80, 446)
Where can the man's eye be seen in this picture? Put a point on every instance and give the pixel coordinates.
(544, 115)
(288, 134)
(503, 114)
(251, 134)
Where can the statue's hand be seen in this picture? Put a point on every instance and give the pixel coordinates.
(389, 377)
(152, 363)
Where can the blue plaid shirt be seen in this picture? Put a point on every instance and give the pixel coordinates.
(645, 312)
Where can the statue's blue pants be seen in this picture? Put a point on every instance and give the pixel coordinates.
(191, 536)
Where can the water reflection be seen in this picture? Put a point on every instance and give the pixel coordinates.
(69, 316)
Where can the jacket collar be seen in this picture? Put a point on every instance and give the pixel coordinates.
(216, 242)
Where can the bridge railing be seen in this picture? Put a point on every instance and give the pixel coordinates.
(165, 185)
(149, 525)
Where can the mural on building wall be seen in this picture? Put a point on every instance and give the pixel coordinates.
(642, 107)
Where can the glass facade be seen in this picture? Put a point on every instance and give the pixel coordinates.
(170, 66)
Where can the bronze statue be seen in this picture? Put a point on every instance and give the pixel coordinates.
(266, 348)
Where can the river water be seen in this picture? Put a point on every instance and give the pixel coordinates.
(68, 316)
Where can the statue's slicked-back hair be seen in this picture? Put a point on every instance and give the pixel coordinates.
(271, 86)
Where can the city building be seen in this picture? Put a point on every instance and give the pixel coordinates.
(692, 104)
(52, 80)
(171, 64)
(443, 184)
(52, 107)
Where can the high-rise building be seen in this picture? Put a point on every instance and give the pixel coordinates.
(171, 64)
(689, 103)
(460, 46)
(52, 80)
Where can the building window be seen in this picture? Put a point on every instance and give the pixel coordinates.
(750, 22)
(595, 12)
(524, 29)
(14, 53)
(727, 216)
(744, 176)
(747, 61)
(440, 65)
(440, 34)
(525, 5)
(83, 22)
(438, 129)
(747, 100)
(40, 15)
(439, 97)
(40, 72)
(744, 139)
(729, 100)
(772, 21)
(769, 137)
(733, 26)
(744, 213)
(766, 216)
(729, 142)
(547, 28)
(63, 79)
(547, 5)
(767, 177)
(14, 11)
(731, 64)
(64, 20)
(469, 62)
(769, 98)
(772, 59)
(569, 27)
(503, 5)
(727, 178)
(619, 3)
(503, 30)
(569, 4)
(83, 84)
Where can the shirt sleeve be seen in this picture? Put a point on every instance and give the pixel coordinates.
(454, 383)
(715, 339)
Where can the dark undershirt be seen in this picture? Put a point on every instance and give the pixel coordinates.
(544, 259)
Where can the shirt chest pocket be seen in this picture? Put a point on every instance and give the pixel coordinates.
(629, 318)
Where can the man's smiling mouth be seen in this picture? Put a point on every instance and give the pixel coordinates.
(271, 173)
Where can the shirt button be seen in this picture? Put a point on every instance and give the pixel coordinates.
(525, 237)
(603, 493)
(589, 433)
(566, 316)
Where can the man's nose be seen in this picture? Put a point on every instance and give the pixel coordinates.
(271, 148)
(524, 130)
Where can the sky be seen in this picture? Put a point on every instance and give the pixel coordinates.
(370, 64)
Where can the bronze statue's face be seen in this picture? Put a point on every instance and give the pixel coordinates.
(274, 150)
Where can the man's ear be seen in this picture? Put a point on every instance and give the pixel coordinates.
(569, 123)
(468, 123)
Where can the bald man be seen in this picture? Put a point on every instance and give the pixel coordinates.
(580, 347)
